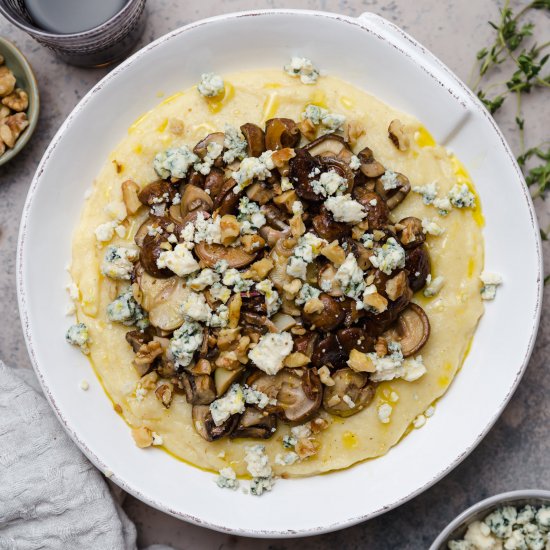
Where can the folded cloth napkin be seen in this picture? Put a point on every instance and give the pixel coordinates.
(51, 496)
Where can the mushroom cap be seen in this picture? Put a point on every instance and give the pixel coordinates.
(355, 385)
(255, 423)
(378, 214)
(370, 167)
(393, 197)
(227, 201)
(204, 424)
(210, 254)
(330, 145)
(195, 199)
(199, 389)
(281, 133)
(255, 139)
(213, 182)
(157, 192)
(298, 397)
(355, 338)
(411, 330)
(412, 233)
(329, 352)
(300, 168)
(331, 317)
(201, 149)
(327, 228)
(418, 266)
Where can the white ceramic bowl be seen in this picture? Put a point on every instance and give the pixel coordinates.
(480, 510)
(378, 57)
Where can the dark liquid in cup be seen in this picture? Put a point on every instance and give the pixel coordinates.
(72, 16)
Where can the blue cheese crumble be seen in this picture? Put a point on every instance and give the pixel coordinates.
(271, 351)
(211, 85)
(253, 168)
(431, 227)
(272, 300)
(118, 262)
(461, 197)
(227, 479)
(78, 335)
(235, 145)
(207, 277)
(125, 309)
(232, 277)
(307, 292)
(213, 151)
(180, 261)
(250, 217)
(329, 183)
(302, 68)
(428, 192)
(433, 286)
(389, 256)
(490, 283)
(350, 277)
(185, 342)
(308, 248)
(286, 459)
(389, 180)
(259, 468)
(231, 403)
(345, 209)
(174, 162)
(318, 115)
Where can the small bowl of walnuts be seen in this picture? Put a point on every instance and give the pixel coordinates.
(19, 101)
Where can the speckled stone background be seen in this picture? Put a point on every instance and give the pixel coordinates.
(515, 454)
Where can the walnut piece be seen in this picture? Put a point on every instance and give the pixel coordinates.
(7, 81)
(230, 229)
(296, 359)
(252, 243)
(147, 353)
(130, 190)
(324, 375)
(381, 347)
(164, 393)
(142, 436)
(396, 286)
(18, 100)
(360, 362)
(306, 447)
(398, 135)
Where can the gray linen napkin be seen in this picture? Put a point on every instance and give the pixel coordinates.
(50, 495)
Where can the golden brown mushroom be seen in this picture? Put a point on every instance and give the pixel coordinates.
(204, 424)
(351, 393)
(255, 423)
(281, 133)
(210, 254)
(411, 330)
(255, 139)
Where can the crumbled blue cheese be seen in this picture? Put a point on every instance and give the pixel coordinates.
(257, 398)
(220, 292)
(232, 277)
(302, 68)
(250, 217)
(194, 307)
(105, 231)
(543, 518)
(303, 431)
(413, 369)
(118, 262)
(272, 300)
(180, 261)
(213, 151)
(479, 535)
(461, 197)
(433, 286)
(345, 209)
(490, 283)
(116, 210)
(389, 256)
(431, 227)
(124, 309)
(185, 342)
(389, 180)
(419, 421)
(443, 206)
(289, 441)
(428, 192)
(286, 184)
(227, 479)
(286, 459)
(231, 403)
(297, 208)
(355, 163)
(317, 115)
(388, 367)
(307, 292)
(308, 248)
(368, 240)
(235, 144)
(221, 266)
(270, 352)
(501, 521)
(220, 317)
(174, 162)
(384, 413)
(259, 468)
(253, 168)
(78, 335)
(297, 268)
(329, 183)
(207, 277)
(207, 229)
(211, 85)
(350, 277)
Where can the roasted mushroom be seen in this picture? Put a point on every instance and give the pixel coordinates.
(330, 145)
(330, 353)
(213, 183)
(327, 281)
(211, 254)
(351, 393)
(201, 149)
(227, 201)
(136, 338)
(417, 264)
(327, 228)
(410, 232)
(281, 133)
(204, 424)
(157, 192)
(255, 423)
(255, 139)
(394, 195)
(411, 330)
(195, 199)
(370, 167)
(303, 170)
(355, 338)
(331, 317)
(378, 213)
(298, 397)
(199, 390)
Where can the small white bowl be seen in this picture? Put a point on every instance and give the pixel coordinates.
(457, 527)
(378, 57)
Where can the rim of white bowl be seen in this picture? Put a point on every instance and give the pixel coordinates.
(361, 22)
(486, 505)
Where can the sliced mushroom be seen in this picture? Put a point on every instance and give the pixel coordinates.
(196, 178)
(199, 390)
(303, 169)
(213, 183)
(341, 167)
(136, 338)
(223, 378)
(210, 254)
(227, 201)
(326, 280)
(195, 199)
(201, 149)
(281, 133)
(330, 145)
(307, 343)
(362, 254)
(157, 192)
(165, 223)
(411, 330)
(255, 423)
(149, 253)
(329, 352)
(331, 317)
(354, 385)
(327, 228)
(370, 167)
(260, 192)
(162, 299)
(298, 397)
(410, 232)
(255, 139)
(395, 196)
(273, 236)
(417, 264)
(351, 313)
(394, 308)
(355, 338)
(378, 213)
(205, 427)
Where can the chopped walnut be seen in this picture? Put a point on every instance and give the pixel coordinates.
(398, 135)
(306, 447)
(142, 436)
(147, 353)
(228, 360)
(130, 190)
(4, 112)
(297, 227)
(176, 126)
(353, 130)
(17, 101)
(286, 199)
(252, 243)
(359, 229)
(202, 366)
(360, 362)
(242, 348)
(296, 360)
(324, 375)
(291, 289)
(318, 425)
(307, 129)
(314, 305)
(396, 286)
(381, 347)
(149, 381)
(7, 81)
(164, 393)
(258, 270)
(334, 252)
(376, 302)
(230, 229)
(228, 336)
(234, 306)
(281, 157)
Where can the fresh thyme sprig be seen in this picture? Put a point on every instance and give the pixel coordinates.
(529, 63)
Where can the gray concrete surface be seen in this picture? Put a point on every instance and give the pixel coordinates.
(515, 454)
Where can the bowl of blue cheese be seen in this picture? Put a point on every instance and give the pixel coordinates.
(517, 520)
